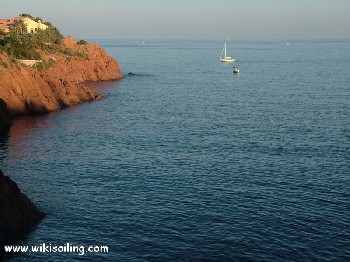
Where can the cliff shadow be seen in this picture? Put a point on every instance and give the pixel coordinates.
(4, 138)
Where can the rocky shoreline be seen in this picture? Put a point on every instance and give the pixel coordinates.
(27, 90)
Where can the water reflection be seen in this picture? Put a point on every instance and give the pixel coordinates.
(13, 142)
(23, 127)
(3, 145)
(103, 86)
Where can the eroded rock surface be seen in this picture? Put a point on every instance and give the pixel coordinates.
(26, 90)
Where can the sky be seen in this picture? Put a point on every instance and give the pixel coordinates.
(190, 19)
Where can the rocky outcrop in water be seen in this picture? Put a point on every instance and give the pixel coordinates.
(60, 84)
(5, 121)
(18, 215)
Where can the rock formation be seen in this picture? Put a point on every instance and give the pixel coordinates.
(58, 83)
(27, 90)
(18, 215)
(5, 121)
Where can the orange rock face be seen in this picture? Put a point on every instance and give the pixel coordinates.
(26, 90)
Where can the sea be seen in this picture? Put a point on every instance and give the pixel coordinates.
(187, 161)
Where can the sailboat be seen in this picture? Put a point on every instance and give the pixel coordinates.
(225, 58)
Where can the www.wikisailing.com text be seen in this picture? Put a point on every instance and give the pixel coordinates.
(66, 248)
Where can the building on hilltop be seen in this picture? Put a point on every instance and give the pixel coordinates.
(31, 25)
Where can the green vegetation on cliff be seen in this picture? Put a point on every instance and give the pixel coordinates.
(22, 45)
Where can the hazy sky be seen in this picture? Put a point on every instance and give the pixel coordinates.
(190, 19)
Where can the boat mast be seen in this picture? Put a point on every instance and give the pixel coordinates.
(225, 49)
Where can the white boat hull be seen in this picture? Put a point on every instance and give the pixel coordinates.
(227, 59)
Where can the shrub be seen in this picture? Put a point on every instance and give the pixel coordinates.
(4, 64)
(23, 52)
(39, 66)
(82, 42)
(82, 54)
(43, 65)
(26, 15)
(68, 51)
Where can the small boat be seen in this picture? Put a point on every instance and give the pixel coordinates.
(225, 58)
(235, 70)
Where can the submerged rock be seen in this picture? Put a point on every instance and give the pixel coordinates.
(18, 215)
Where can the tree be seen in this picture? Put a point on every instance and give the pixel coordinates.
(36, 19)
(26, 15)
(2, 34)
(49, 24)
(82, 42)
(18, 27)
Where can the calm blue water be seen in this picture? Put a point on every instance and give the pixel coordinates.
(187, 162)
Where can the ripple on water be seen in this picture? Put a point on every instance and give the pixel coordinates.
(188, 163)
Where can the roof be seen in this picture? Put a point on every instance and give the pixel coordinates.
(5, 23)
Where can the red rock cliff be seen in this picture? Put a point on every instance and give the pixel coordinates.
(27, 90)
